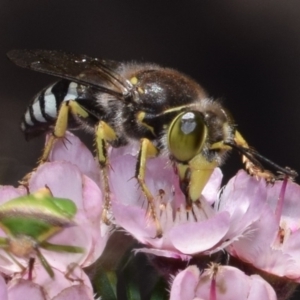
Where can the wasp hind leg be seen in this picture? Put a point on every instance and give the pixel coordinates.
(147, 150)
(59, 131)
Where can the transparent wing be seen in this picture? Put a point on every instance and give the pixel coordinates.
(94, 72)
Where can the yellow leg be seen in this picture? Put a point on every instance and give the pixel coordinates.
(59, 130)
(103, 134)
(147, 150)
(61, 124)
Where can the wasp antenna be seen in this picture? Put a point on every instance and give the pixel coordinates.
(252, 155)
(289, 172)
(242, 150)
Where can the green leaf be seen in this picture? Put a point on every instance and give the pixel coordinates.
(105, 284)
(139, 280)
(122, 275)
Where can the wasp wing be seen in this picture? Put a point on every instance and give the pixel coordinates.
(85, 70)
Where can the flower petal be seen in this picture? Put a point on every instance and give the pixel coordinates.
(8, 192)
(3, 289)
(164, 253)
(211, 189)
(231, 283)
(78, 292)
(133, 220)
(260, 289)
(196, 237)
(185, 284)
(62, 280)
(71, 149)
(25, 289)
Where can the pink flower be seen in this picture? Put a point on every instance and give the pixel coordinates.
(185, 233)
(42, 287)
(272, 241)
(65, 179)
(3, 289)
(81, 185)
(71, 149)
(219, 283)
(130, 207)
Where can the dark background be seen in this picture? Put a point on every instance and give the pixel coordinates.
(244, 52)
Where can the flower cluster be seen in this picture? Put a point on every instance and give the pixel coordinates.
(67, 177)
(240, 242)
(255, 223)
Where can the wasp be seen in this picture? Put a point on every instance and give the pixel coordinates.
(166, 111)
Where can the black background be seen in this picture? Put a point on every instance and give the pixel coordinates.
(245, 52)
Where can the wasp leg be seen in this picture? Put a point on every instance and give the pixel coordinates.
(251, 164)
(147, 150)
(61, 125)
(59, 130)
(104, 134)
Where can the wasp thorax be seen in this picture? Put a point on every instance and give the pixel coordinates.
(187, 135)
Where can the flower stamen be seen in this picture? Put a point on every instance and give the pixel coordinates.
(279, 207)
(213, 270)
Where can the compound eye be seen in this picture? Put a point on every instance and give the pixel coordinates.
(186, 136)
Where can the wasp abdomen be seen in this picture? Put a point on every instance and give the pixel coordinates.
(42, 112)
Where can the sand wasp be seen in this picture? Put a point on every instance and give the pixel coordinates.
(166, 111)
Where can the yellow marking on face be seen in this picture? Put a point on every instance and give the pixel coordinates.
(219, 146)
(134, 80)
(174, 109)
(182, 168)
(240, 140)
(201, 170)
(179, 108)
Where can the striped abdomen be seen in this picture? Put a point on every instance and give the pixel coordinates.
(43, 109)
